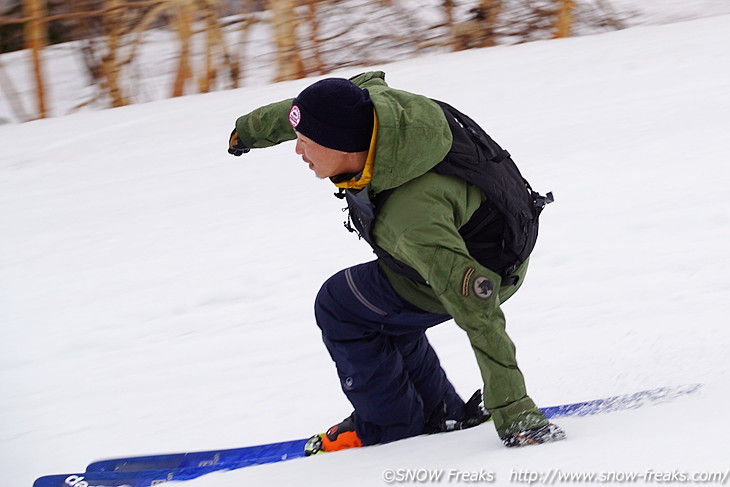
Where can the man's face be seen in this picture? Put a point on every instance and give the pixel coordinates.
(325, 162)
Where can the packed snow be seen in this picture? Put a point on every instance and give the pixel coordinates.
(157, 293)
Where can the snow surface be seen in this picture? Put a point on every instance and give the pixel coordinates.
(156, 293)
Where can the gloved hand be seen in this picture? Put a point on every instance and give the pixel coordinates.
(235, 146)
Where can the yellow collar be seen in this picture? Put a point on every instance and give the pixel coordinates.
(363, 179)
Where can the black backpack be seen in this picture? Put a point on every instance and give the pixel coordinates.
(502, 233)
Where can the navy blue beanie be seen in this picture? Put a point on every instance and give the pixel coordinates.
(335, 113)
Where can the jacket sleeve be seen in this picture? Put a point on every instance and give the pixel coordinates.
(266, 126)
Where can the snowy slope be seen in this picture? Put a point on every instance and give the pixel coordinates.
(156, 294)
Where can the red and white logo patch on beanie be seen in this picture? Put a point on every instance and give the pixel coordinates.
(295, 116)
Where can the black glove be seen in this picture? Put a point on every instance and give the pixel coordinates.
(235, 146)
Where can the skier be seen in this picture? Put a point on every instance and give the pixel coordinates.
(381, 146)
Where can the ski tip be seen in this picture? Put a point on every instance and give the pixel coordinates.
(60, 480)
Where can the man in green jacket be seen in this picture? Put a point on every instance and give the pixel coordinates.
(440, 242)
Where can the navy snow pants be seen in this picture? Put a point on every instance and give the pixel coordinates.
(387, 368)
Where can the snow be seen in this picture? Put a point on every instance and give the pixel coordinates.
(156, 293)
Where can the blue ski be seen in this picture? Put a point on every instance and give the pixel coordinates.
(150, 470)
(212, 460)
(618, 403)
(153, 470)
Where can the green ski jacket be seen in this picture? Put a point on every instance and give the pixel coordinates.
(418, 225)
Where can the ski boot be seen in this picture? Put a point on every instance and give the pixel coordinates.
(339, 437)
